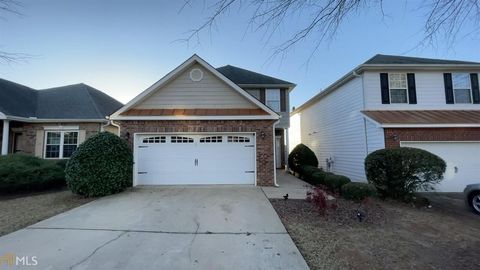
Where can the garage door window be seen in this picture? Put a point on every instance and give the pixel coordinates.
(180, 139)
(156, 139)
(238, 139)
(211, 139)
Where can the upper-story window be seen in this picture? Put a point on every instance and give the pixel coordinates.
(255, 93)
(462, 90)
(272, 99)
(397, 83)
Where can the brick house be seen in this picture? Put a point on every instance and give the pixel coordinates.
(201, 125)
(396, 101)
(51, 123)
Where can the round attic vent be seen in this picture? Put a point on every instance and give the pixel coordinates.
(196, 74)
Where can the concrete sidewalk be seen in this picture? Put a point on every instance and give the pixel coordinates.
(287, 184)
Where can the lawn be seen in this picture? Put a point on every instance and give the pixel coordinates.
(19, 211)
(393, 235)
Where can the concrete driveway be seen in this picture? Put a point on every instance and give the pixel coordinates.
(221, 227)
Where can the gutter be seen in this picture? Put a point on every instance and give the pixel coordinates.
(51, 120)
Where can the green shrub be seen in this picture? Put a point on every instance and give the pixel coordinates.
(102, 165)
(399, 172)
(22, 173)
(318, 178)
(357, 191)
(301, 155)
(306, 172)
(335, 182)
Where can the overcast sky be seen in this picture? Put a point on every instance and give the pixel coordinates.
(122, 47)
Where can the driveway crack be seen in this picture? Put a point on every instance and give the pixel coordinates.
(193, 239)
(96, 250)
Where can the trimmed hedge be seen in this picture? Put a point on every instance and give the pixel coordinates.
(23, 173)
(398, 173)
(306, 172)
(357, 191)
(102, 165)
(301, 155)
(335, 182)
(318, 178)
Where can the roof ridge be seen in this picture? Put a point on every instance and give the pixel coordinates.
(95, 105)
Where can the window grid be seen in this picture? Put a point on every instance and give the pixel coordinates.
(60, 144)
(272, 99)
(156, 139)
(462, 89)
(180, 139)
(238, 139)
(397, 83)
(211, 139)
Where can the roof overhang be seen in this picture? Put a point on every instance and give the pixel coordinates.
(51, 120)
(287, 86)
(2, 116)
(172, 75)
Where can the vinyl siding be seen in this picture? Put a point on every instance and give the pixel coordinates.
(375, 136)
(294, 132)
(183, 93)
(334, 127)
(430, 93)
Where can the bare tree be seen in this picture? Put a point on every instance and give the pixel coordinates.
(445, 19)
(11, 7)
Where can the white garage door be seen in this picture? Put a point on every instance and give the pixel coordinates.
(463, 162)
(186, 159)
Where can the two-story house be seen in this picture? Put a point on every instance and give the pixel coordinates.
(396, 101)
(202, 125)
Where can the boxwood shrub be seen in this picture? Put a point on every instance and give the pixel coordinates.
(102, 165)
(23, 173)
(335, 182)
(306, 172)
(357, 191)
(399, 172)
(318, 178)
(301, 155)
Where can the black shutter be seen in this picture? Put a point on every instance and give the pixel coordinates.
(412, 89)
(384, 88)
(283, 100)
(447, 78)
(475, 90)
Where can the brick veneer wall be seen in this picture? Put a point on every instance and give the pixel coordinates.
(429, 134)
(265, 171)
(26, 142)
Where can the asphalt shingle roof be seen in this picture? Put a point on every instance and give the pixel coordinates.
(244, 76)
(381, 59)
(78, 101)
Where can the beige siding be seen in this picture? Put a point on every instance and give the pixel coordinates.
(183, 93)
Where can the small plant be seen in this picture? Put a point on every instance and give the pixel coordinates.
(357, 191)
(335, 182)
(398, 173)
(301, 155)
(319, 197)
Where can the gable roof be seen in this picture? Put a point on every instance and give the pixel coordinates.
(382, 62)
(242, 76)
(71, 102)
(171, 76)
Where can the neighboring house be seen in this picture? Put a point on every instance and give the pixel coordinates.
(201, 125)
(393, 101)
(51, 123)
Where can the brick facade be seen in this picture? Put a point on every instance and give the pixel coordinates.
(23, 135)
(393, 136)
(262, 128)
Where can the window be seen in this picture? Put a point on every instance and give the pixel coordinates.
(179, 139)
(397, 83)
(212, 139)
(156, 139)
(254, 92)
(60, 144)
(238, 139)
(272, 99)
(462, 90)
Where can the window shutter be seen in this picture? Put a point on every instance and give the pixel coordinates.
(283, 100)
(412, 89)
(475, 90)
(39, 139)
(262, 96)
(384, 88)
(447, 78)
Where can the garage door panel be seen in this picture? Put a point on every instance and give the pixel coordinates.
(462, 159)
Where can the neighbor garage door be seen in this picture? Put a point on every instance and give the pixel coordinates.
(187, 159)
(463, 162)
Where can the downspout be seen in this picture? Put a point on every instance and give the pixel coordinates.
(274, 156)
(363, 108)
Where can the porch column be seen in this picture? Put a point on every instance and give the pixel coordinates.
(5, 136)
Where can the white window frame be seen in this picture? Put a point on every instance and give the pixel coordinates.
(279, 99)
(396, 88)
(470, 87)
(62, 137)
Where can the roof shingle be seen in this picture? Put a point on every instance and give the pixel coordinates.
(243, 76)
(381, 59)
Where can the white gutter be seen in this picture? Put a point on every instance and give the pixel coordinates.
(50, 120)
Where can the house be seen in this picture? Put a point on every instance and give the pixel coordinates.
(51, 123)
(396, 101)
(201, 125)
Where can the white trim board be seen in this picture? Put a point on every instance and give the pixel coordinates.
(182, 67)
(196, 117)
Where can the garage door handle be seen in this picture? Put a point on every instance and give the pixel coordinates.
(195, 162)
(456, 169)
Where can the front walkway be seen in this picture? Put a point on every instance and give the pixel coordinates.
(287, 184)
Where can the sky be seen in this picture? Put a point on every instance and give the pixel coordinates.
(122, 47)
